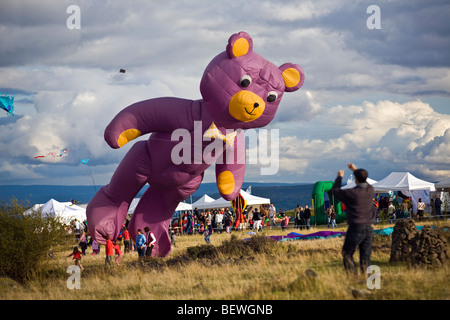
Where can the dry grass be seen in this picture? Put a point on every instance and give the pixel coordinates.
(282, 272)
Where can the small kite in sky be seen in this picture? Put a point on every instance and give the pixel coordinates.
(6, 103)
(119, 76)
(84, 161)
(63, 153)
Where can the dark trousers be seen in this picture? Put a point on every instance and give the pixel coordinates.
(126, 244)
(357, 236)
(149, 250)
(141, 251)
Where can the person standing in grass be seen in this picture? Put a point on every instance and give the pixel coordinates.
(83, 243)
(307, 217)
(328, 214)
(95, 248)
(109, 251)
(437, 206)
(173, 238)
(151, 240)
(272, 215)
(421, 209)
(297, 217)
(207, 234)
(140, 244)
(126, 240)
(256, 220)
(77, 257)
(119, 252)
(361, 215)
(333, 217)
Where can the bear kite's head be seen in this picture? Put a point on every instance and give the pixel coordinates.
(241, 89)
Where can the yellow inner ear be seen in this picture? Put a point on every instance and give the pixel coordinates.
(291, 77)
(127, 136)
(240, 47)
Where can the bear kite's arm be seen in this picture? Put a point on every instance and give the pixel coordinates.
(153, 115)
(230, 173)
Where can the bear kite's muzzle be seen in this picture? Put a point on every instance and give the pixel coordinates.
(246, 106)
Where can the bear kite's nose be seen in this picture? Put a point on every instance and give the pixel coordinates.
(256, 105)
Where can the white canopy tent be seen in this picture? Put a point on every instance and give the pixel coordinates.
(181, 206)
(251, 200)
(64, 211)
(409, 185)
(402, 181)
(203, 202)
(352, 184)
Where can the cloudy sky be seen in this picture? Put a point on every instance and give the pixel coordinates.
(377, 97)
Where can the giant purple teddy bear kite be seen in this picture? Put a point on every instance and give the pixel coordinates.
(240, 90)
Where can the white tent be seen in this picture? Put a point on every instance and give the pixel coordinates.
(203, 202)
(352, 183)
(402, 181)
(181, 206)
(251, 200)
(444, 184)
(407, 184)
(65, 211)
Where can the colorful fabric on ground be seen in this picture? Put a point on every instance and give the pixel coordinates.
(388, 231)
(316, 235)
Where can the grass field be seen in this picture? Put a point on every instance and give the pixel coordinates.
(225, 270)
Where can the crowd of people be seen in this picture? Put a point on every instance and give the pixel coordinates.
(143, 245)
(208, 221)
(393, 207)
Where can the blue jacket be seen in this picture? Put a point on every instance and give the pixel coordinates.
(140, 240)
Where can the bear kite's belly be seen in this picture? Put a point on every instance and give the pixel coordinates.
(174, 165)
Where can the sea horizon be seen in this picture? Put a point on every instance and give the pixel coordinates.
(284, 195)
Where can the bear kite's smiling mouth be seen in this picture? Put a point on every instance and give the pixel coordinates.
(246, 106)
(256, 105)
(251, 112)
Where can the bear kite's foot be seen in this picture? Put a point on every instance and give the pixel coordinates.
(155, 210)
(163, 245)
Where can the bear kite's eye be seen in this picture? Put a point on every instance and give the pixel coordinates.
(272, 96)
(245, 81)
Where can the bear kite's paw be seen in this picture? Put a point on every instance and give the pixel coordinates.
(127, 136)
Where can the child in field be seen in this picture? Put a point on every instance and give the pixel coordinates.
(95, 248)
(140, 244)
(77, 257)
(207, 234)
(173, 237)
(126, 240)
(83, 243)
(119, 253)
(109, 251)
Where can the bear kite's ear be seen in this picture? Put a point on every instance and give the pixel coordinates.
(293, 76)
(239, 45)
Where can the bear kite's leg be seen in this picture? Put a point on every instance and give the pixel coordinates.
(155, 210)
(106, 212)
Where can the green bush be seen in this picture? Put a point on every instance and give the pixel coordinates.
(25, 241)
(202, 251)
(383, 216)
(234, 247)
